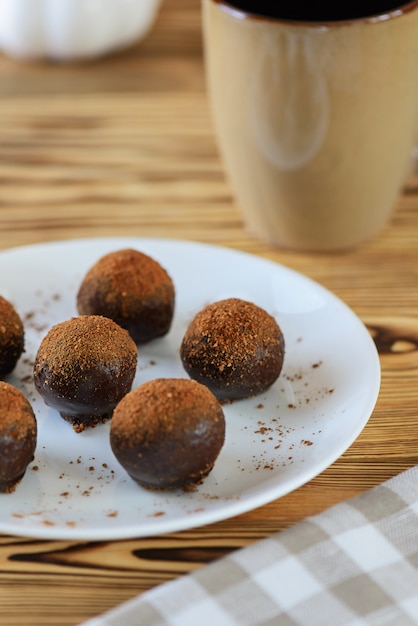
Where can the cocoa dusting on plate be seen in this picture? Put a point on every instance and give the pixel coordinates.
(47, 522)
(315, 365)
(30, 321)
(311, 393)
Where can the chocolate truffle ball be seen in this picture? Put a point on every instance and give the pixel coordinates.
(168, 433)
(11, 337)
(18, 433)
(234, 347)
(132, 289)
(84, 367)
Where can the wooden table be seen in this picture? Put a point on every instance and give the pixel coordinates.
(125, 146)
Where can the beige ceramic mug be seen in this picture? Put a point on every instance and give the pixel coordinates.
(316, 108)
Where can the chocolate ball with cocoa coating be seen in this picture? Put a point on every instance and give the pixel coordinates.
(18, 436)
(11, 337)
(168, 433)
(132, 289)
(84, 367)
(235, 348)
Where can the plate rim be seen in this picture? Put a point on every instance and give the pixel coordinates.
(240, 507)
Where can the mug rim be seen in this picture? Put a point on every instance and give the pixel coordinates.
(228, 7)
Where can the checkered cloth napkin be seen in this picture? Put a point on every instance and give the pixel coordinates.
(354, 564)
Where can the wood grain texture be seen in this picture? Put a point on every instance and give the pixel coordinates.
(125, 146)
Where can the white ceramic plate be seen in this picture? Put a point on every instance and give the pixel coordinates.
(276, 442)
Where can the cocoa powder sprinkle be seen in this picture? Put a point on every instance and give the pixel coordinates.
(11, 336)
(234, 347)
(90, 339)
(113, 273)
(16, 414)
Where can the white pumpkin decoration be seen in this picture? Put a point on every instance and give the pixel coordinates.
(72, 29)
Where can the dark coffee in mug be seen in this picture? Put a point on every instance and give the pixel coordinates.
(315, 10)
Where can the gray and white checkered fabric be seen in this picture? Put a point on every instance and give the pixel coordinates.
(354, 564)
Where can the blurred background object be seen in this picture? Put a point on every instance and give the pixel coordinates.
(66, 30)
